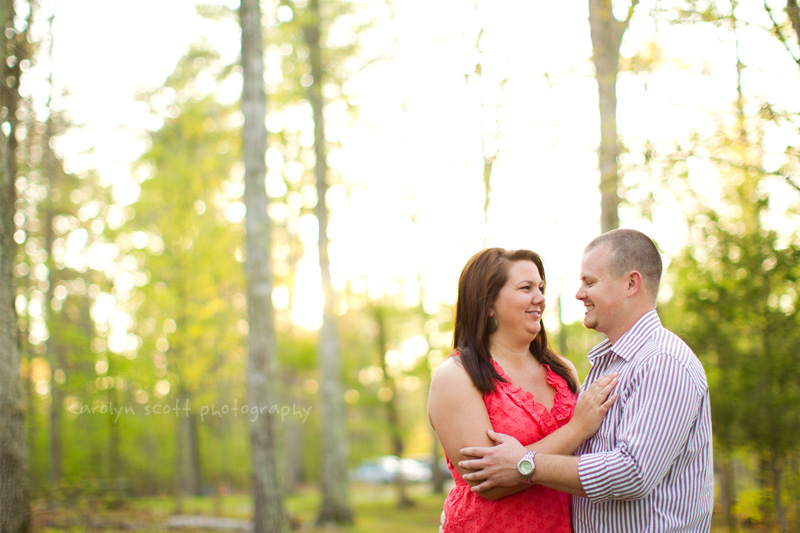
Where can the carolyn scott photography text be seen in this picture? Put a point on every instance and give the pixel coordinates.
(185, 409)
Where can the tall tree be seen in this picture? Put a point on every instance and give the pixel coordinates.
(379, 312)
(607, 33)
(15, 510)
(55, 351)
(267, 493)
(490, 94)
(335, 506)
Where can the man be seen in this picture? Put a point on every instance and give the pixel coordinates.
(649, 467)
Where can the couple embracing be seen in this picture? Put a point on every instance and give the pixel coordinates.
(530, 450)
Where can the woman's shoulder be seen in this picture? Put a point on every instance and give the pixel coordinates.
(452, 369)
(452, 377)
(451, 389)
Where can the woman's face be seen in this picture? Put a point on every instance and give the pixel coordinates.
(520, 303)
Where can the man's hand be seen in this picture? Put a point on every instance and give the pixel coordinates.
(495, 466)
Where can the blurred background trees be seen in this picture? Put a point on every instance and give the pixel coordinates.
(384, 148)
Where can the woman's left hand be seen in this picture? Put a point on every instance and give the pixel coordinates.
(593, 404)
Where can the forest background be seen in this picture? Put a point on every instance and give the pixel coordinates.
(165, 282)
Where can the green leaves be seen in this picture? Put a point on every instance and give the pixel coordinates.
(735, 298)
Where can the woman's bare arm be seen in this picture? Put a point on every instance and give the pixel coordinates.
(459, 418)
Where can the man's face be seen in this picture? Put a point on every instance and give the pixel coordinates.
(601, 294)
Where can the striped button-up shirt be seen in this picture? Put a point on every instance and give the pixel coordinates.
(649, 468)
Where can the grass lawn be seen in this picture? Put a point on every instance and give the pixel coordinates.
(374, 508)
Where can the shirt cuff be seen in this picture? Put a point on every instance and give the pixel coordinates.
(592, 469)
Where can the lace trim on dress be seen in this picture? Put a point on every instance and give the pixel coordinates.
(563, 402)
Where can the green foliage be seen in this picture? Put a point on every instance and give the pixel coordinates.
(190, 314)
(736, 289)
(66, 223)
(579, 341)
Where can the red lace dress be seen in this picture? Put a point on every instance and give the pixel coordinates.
(514, 411)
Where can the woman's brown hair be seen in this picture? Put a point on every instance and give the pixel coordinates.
(481, 280)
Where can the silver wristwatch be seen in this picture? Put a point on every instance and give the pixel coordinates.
(526, 467)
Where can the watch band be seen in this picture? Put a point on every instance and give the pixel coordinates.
(527, 458)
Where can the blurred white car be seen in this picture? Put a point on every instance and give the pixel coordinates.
(384, 469)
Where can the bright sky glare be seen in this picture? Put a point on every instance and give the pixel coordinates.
(417, 149)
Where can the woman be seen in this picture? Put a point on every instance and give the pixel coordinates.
(502, 375)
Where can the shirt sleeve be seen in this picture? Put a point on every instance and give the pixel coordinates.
(661, 405)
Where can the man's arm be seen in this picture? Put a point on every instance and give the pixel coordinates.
(558, 472)
(497, 466)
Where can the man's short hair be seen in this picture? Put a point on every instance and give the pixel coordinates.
(632, 250)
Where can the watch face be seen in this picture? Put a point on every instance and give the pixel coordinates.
(525, 468)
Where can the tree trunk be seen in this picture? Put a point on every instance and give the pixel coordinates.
(490, 142)
(15, 510)
(293, 443)
(270, 515)
(764, 489)
(294, 459)
(607, 35)
(392, 414)
(195, 464)
(335, 508)
(52, 347)
(794, 490)
(188, 467)
(115, 469)
(437, 476)
(777, 493)
(54, 470)
(728, 490)
(488, 165)
(180, 466)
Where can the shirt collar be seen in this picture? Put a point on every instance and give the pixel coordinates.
(630, 342)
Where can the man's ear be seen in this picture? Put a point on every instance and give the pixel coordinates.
(635, 283)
